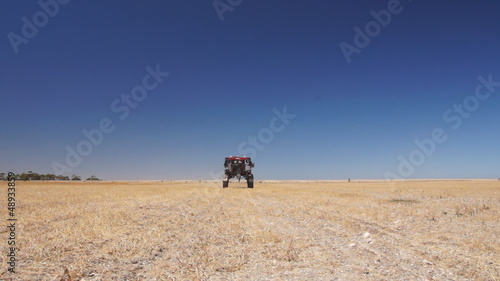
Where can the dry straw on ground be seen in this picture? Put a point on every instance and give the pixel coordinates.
(423, 230)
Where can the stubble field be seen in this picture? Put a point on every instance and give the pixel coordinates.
(415, 230)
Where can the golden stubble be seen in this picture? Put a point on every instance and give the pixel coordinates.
(278, 230)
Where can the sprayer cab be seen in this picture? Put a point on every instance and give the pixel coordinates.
(238, 167)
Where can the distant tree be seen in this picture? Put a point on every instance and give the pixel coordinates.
(48, 177)
(24, 177)
(93, 178)
(30, 175)
(35, 177)
(62, 178)
(75, 178)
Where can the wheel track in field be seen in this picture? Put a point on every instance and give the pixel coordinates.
(382, 250)
(329, 233)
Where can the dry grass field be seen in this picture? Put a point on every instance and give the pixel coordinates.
(416, 230)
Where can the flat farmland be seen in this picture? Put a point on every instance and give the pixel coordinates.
(280, 230)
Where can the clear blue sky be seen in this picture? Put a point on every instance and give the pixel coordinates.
(352, 120)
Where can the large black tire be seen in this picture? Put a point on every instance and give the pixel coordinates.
(250, 181)
(225, 184)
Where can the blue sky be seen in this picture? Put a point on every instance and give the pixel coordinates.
(352, 120)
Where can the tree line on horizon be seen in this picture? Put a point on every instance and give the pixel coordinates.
(30, 175)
